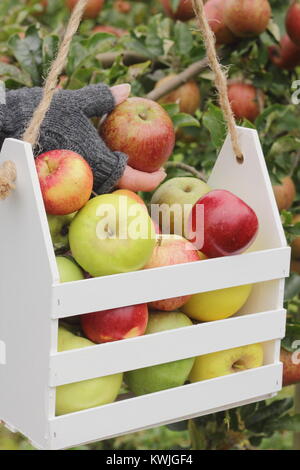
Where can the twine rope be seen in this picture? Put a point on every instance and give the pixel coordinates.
(8, 175)
(220, 76)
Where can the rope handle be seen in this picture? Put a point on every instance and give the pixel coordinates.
(220, 76)
(8, 171)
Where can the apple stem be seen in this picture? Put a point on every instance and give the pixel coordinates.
(188, 168)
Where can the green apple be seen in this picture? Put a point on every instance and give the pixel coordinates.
(88, 393)
(163, 376)
(227, 362)
(112, 234)
(59, 230)
(68, 270)
(178, 192)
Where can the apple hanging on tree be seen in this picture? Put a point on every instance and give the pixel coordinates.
(247, 18)
(292, 22)
(246, 101)
(92, 9)
(183, 12)
(214, 11)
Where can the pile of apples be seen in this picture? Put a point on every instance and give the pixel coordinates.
(90, 244)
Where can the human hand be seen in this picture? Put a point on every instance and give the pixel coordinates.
(136, 180)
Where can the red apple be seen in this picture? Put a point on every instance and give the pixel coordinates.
(214, 11)
(229, 226)
(170, 250)
(109, 29)
(285, 193)
(143, 130)
(184, 11)
(122, 6)
(286, 55)
(246, 100)
(291, 371)
(292, 22)
(247, 18)
(5, 59)
(115, 324)
(92, 9)
(66, 181)
(187, 95)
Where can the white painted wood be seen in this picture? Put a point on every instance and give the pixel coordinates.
(32, 300)
(162, 407)
(91, 295)
(250, 181)
(27, 270)
(83, 364)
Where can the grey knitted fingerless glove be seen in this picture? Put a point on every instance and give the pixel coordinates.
(67, 126)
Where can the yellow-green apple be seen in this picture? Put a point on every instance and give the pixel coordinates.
(68, 270)
(286, 55)
(285, 193)
(92, 9)
(59, 230)
(112, 234)
(66, 181)
(115, 324)
(137, 198)
(88, 393)
(227, 362)
(214, 11)
(296, 242)
(187, 95)
(175, 199)
(217, 304)
(247, 102)
(247, 18)
(170, 250)
(132, 194)
(143, 130)
(292, 22)
(183, 12)
(162, 376)
(228, 226)
(291, 368)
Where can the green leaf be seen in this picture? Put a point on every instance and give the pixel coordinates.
(28, 53)
(49, 50)
(292, 287)
(183, 38)
(8, 71)
(286, 423)
(171, 108)
(184, 120)
(213, 120)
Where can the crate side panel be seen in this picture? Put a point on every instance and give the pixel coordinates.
(250, 181)
(27, 273)
(135, 353)
(162, 407)
(102, 293)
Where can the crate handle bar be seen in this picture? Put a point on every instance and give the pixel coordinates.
(8, 171)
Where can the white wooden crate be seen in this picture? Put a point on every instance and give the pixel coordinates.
(32, 300)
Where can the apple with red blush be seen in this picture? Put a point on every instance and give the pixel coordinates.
(115, 324)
